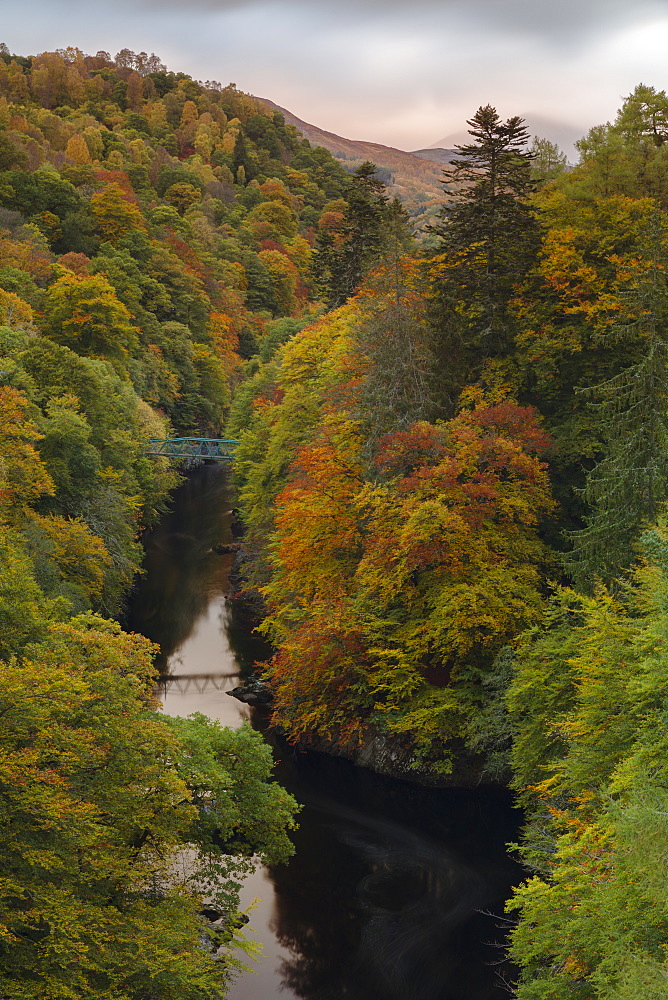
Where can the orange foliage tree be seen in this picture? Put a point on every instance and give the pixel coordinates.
(393, 592)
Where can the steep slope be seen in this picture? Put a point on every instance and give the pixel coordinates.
(415, 178)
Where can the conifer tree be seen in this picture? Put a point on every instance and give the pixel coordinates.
(394, 337)
(626, 489)
(487, 237)
(342, 265)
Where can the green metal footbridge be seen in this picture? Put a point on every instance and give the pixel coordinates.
(213, 449)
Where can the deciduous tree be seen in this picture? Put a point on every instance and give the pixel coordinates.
(83, 313)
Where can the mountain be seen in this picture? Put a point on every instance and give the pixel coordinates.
(415, 178)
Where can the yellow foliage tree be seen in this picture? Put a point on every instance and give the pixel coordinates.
(115, 215)
(77, 150)
(23, 477)
(81, 557)
(285, 277)
(14, 312)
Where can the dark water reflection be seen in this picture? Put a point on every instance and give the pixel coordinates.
(385, 897)
(186, 579)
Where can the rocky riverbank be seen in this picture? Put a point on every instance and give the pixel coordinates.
(377, 751)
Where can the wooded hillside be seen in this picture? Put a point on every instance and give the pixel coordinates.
(153, 233)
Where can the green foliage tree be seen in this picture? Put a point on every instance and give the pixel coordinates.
(548, 161)
(83, 313)
(99, 795)
(628, 156)
(394, 339)
(342, 263)
(629, 485)
(10, 155)
(588, 709)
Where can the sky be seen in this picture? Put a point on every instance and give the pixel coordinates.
(406, 73)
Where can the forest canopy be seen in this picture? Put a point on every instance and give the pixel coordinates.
(451, 471)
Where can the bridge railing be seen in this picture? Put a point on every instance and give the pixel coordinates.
(215, 449)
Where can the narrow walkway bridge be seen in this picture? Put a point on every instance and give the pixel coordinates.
(199, 682)
(214, 449)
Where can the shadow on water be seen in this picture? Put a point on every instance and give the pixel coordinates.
(385, 896)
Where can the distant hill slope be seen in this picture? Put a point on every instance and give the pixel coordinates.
(415, 178)
(442, 156)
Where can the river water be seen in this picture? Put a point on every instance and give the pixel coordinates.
(393, 889)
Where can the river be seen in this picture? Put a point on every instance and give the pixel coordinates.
(392, 892)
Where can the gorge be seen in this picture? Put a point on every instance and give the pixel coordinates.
(395, 891)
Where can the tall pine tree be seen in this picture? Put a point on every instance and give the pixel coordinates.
(487, 240)
(394, 339)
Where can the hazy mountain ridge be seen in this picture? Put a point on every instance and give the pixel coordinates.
(417, 179)
(436, 155)
(564, 133)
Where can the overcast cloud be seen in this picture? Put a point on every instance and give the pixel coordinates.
(403, 73)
